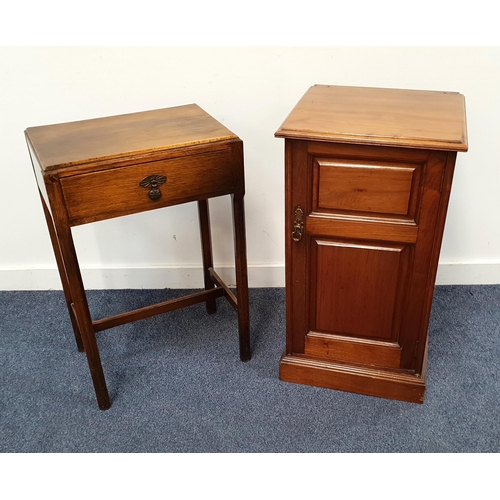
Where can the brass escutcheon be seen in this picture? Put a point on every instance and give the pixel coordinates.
(153, 182)
(298, 225)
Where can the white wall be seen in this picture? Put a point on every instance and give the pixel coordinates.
(250, 90)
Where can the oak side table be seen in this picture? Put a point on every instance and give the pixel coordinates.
(98, 169)
(368, 174)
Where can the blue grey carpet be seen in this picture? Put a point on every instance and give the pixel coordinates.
(177, 384)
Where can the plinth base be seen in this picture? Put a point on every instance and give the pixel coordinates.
(370, 381)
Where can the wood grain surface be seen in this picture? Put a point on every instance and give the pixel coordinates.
(66, 144)
(396, 117)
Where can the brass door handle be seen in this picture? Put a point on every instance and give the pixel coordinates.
(298, 224)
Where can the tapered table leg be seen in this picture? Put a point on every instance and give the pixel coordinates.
(206, 247)
(241, 276)
(62, 274)
(82, 313)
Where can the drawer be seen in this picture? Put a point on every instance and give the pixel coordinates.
(372, 187)
(146, 186)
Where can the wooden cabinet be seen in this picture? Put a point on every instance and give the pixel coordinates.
(368, 175)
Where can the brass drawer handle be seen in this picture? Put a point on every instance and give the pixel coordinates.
(298, 225)
(153, 182)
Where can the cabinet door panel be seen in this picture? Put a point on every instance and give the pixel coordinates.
(352, 349)
(356, 288)
(357, 285)
(378, 187)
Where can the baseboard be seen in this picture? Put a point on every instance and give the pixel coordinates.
(470, 273)
(138, 277)
(259, 276)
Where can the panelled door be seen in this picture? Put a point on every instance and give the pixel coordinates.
(361, 223)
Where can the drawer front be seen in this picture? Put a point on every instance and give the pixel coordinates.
(146, 186)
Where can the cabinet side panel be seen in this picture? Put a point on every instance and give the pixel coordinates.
(424, 264)
(445, 188)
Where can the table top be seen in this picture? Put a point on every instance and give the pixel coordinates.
(81, 142)
(377, 116)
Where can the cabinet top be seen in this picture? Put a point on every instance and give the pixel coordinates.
(122, 136)
(376, 116)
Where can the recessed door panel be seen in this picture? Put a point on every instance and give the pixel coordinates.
(357, 288)
(376, 187)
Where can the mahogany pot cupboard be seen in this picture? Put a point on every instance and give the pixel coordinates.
(368, 173)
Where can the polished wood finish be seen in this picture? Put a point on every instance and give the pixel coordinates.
(362, 187)
(371, 169)
(125, 137)
(153, 310)
(206, 248)
(124, 195)
(366, 280)
(391, 117)
(103, 168)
